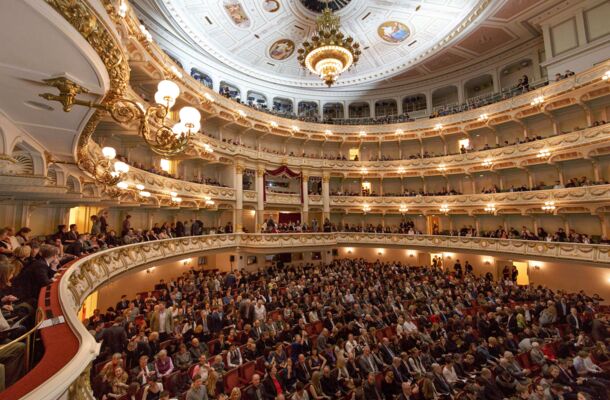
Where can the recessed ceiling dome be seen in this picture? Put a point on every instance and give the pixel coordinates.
(319, 5)
(258, 39)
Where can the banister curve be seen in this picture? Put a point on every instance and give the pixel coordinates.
(87, 274)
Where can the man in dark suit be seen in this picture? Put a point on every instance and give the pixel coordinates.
(302, 370)
(386, 352)
(36, 274)
(328, 322)
(257, 390)
(563, 308)
(257, 331)
(399, 374)
(114, 337)
(330, 384)
(491, 391)
(370, 388)
(123, 304)
(367, 362)
(246, 311)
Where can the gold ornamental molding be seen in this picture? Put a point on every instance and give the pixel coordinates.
(85, 20)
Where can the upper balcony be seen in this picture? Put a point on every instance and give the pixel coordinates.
(575, 90)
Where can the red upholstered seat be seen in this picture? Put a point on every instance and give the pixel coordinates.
(231, 379)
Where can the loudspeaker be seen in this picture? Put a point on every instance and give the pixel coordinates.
(232, 258)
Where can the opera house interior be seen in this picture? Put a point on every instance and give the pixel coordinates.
(305, 199)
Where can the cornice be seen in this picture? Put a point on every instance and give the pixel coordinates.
(252, 119)
(579, 144)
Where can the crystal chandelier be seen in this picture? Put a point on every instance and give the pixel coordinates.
(329, 53)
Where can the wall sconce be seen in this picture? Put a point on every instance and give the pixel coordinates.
(122, 9)
(442, 167)
(186, 261)
(145, 33)
(410, 253)
(438, 127)
(399, 132)
(106, 171)
(162, 139)
(606, 76)
(242, 113)
(537, 101)
(490, 208)
(273, 124)
(444, 209)
(380, 252)
(362, 134)
(483, 117)
(165, 164)
(403, 209)
(401, 170)
(544, 153)
(328, 132)
(487, 163)
(295, 129)
(548, 207)
(349, 250)
(488, 261)
(366, 208)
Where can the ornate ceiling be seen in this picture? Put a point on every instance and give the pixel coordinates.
(260, 37)
(400, 39)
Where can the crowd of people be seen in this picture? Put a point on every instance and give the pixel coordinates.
(424, 154)
(352, 329)
(560, 235)
(154, 170)
(407, 227)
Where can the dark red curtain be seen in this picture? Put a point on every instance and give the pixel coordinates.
(283, 170)
(286, 218)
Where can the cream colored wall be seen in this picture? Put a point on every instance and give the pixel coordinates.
(144, 280)
(556, 275)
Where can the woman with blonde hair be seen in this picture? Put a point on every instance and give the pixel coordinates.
(427, 389)
(118, 383)
(211, 383)
(235, 394)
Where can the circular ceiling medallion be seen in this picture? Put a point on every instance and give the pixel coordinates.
(393, 31)
(271, 5)
(319, 5)
(282, 49)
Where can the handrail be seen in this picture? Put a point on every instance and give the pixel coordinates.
(29, 349)
(455, 163)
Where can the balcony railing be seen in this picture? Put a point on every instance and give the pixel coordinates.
(86, 275)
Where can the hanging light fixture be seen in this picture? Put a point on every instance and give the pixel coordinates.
(329, 53)
(163, 139)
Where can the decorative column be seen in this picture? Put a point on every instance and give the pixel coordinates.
(596, 172)
(260, 197)
(305, 191)
(603, 221)
(238, 212)
(560, 174)
(325, 196)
